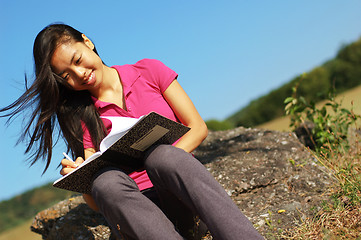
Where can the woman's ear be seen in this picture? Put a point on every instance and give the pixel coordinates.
(88, 42)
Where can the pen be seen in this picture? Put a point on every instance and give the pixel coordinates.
(67, 157)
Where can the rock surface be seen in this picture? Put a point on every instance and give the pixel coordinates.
(274, 180)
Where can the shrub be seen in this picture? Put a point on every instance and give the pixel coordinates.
(216, 125)
(330, 122)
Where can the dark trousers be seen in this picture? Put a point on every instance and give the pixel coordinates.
(176, 173)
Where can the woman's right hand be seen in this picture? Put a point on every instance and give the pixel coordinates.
(69, 166)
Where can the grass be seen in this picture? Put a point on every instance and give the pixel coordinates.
(339, 223)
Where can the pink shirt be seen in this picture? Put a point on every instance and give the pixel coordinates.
(143, 86)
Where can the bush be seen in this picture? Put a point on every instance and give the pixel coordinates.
(331, 122)
(216, 125)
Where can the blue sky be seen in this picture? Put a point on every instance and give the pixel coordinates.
(226, 53)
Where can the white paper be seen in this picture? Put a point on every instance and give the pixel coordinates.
(120, 126)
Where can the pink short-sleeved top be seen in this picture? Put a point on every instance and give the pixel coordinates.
(143, 86)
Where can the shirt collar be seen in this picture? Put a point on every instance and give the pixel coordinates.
(128, 75)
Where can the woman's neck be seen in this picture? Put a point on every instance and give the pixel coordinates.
(110, 88)
(109, 82)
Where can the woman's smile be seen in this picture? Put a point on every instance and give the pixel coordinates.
(91, 79)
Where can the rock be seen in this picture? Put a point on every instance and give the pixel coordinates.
(71, 219)
(274, 180)
(270, 175)
(305, 135)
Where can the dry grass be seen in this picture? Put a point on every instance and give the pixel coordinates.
(340, 218)
(339, 223)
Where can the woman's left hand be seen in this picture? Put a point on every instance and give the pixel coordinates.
(69, 166)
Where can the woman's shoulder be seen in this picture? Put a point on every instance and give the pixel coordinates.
(141, 63)
(152, 65)
(149, 62)
(151, 69)
(145, 64)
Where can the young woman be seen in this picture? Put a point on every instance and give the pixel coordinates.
(73, 88)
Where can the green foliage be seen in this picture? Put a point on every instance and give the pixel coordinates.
(330, 122)
(330, 136)
(25, 206)
(216, 125)
(343, 72)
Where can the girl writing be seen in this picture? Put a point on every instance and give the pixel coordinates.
(73, 88)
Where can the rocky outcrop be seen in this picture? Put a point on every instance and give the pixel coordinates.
(274, 180)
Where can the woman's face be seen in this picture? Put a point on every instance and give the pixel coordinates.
(78, 64)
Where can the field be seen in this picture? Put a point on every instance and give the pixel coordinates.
(21, 232)
(281, 124)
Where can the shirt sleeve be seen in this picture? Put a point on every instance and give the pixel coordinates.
(158, 72)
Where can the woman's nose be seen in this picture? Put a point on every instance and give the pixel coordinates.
(79, 72)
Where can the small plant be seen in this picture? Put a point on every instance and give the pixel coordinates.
(330, 122)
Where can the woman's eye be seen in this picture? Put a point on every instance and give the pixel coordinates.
(78, 61)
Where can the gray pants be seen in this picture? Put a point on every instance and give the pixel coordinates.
(179, 173)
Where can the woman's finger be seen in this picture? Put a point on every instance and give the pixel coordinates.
(68, 163)
(79, 161)
(66, 170)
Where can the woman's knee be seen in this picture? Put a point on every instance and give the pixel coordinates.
(111, 180)
(159, 158)
(167, 159)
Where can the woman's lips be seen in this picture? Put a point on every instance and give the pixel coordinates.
(91, 79)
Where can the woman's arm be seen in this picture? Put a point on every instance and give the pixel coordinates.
(188, 115)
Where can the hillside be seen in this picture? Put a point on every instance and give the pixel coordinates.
(342, 73)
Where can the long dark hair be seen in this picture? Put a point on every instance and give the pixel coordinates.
(53, 103)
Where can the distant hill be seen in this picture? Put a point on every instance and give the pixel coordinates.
(21, 208)
(342, 73)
